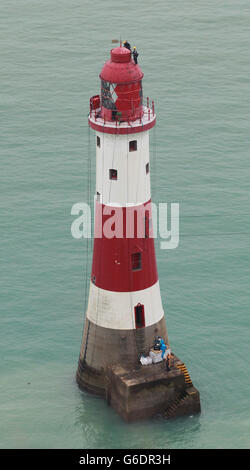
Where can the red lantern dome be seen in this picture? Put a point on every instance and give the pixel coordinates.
(121, 87)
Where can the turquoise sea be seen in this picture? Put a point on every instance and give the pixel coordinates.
(195, 58)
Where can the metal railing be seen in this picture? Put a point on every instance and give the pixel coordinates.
(147, 114)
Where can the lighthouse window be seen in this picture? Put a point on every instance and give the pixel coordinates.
(136, 261)
(112, 174)
(106, 96)
(147, 168)
(139, 316)
(98, 141)
(133, 145)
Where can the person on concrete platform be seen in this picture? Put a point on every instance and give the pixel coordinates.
(135, 55)
(169, 357)
(168, 363)
(168, 360)
(163, 348)
(127, 45)
(157, 343)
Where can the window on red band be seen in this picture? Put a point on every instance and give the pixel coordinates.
(136, 261)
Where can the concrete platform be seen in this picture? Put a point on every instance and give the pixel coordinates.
(150, 390)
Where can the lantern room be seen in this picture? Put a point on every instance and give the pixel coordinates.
(121, 87)
(119, 109)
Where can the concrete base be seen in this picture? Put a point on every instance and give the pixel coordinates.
(149, 391)
(145, 391)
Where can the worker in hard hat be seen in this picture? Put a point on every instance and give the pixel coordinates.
(135, 55)
(127, 45)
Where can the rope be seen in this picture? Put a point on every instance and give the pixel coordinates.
(87, 245)
(113, 159)
(100, 259)
(140, 162)
(129, 256)
(155, 173)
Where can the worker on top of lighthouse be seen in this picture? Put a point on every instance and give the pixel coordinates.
(127, 45)
(135, 55)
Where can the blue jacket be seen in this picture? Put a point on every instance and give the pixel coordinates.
(163, 345)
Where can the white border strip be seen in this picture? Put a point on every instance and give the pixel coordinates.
(115, 310)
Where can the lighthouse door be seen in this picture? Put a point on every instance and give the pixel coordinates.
(139, 316)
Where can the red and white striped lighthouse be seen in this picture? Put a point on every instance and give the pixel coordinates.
(124, 311)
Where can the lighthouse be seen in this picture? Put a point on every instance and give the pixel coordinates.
(125, 312)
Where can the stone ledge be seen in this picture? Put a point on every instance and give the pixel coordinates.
(144, 392)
